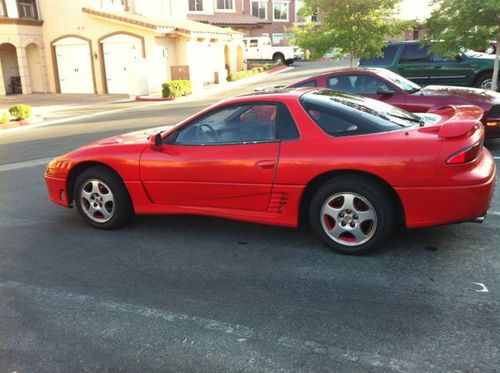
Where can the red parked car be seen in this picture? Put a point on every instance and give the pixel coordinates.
(387, 86)
(351, 166)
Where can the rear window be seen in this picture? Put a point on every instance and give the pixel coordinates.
(389, 52)
(340, 114)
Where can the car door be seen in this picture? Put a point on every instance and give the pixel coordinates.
(414, 63)
(457, 71)
(224, 159)
(253, 51)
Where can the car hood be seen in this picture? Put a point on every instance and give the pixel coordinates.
(461, 93)
(136, 137)
(479, 57)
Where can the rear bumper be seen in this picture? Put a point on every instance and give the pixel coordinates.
(57, 190)
(443, 205)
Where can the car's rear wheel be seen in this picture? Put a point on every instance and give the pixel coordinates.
(352, 215)
(102, 199)
(279, 58)
(484, 81)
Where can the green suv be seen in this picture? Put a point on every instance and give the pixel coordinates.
(416, 63)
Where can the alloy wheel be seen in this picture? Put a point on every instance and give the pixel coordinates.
(348, 219)
(97, 200)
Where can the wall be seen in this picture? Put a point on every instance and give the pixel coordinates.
(77, 23)
(21, 36)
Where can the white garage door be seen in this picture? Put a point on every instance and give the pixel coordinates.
(119, 51)
(74, 66)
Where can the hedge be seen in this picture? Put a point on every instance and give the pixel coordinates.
(246, 73)
(4, 117)
(20, 111)
(176, 88)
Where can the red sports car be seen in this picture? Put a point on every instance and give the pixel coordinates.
(351, 166)
(387, 86)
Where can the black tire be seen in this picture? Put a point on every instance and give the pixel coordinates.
(483, 79)
(93, 187)
(368, 197)
(279, 58)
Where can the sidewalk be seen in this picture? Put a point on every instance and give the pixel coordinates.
(52, 108)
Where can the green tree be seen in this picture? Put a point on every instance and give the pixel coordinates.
(358, 28)
(455, 25)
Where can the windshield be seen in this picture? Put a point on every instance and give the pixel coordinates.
(398, 80)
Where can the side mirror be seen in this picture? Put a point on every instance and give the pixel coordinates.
(459, 58)
(385, 91)
(156, 142)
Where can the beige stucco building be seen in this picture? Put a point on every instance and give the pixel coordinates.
(110, 46)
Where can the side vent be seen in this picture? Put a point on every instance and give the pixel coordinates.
(278, 202)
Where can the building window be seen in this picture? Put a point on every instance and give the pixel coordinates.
(225, 5)
(195, 5)
(277, 38)
(259, 9)
(27, 9)
(280, 11)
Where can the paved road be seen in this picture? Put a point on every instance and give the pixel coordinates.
(191, 294)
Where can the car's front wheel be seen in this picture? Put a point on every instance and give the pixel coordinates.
(102, 199)
(352, 215)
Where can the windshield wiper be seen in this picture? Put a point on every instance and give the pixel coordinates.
(420, 121)
(414, 90)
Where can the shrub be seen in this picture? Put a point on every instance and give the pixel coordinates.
(20, 111)
(176, 88)
(4, 117)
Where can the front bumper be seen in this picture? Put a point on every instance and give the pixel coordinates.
(57, 190)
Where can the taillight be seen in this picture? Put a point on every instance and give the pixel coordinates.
(465, 155)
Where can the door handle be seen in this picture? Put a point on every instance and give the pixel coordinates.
(438, 67)
(265, 165)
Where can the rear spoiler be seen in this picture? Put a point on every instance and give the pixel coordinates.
(462, 120)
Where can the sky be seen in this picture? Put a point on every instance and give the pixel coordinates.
(411, 9)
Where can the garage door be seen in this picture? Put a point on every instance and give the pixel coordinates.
(119, 51)
(74, 66)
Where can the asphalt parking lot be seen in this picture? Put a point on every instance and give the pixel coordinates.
(191, 294)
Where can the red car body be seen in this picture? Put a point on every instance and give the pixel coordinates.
(270, 182)
(421, 100)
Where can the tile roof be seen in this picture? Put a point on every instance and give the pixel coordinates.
(165, 25)
(229, 19)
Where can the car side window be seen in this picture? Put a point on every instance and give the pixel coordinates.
(389, 52)
(309, 83)
(414, 53)
(236, 124)
(367, 85)
(342, 83)
(254, 43)
(436, 58)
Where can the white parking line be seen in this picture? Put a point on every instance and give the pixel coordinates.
(494, 213)
(497, 158)
(240, 333)
(25, 164)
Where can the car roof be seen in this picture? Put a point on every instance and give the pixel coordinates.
(403, 42)
(360, 69)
